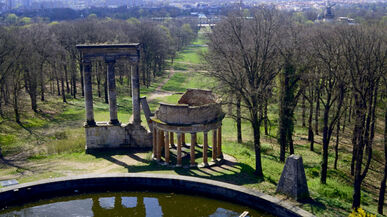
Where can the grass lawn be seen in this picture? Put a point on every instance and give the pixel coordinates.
(55, 142)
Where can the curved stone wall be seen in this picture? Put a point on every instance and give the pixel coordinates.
(28, 192)
(189, 115)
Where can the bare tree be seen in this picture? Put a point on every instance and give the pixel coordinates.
(332, 80)
(243, 59)
(365, 57)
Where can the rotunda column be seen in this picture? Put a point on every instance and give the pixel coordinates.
(205, 149)
(192, 149)
(214, 145)
(219, 149)
(154, 154)
(179, 144)
(166, 147)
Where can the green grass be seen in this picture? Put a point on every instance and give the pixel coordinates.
(191, 55)
(176, 82)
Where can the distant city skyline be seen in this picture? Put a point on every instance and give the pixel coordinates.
(82, 4)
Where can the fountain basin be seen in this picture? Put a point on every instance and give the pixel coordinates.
(23, 193)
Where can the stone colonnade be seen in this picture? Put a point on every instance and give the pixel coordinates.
(164, 139)
(110, 60)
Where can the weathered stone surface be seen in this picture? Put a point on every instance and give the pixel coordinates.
(139, 136)
(105, 135)
(293, 180)
(189, 115)
(197, 97)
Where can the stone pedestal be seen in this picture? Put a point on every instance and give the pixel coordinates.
(293, 180)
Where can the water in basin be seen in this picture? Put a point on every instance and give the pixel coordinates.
(149, 204)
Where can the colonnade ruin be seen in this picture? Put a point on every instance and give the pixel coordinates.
(196, 112)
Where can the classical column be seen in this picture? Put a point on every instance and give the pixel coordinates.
(136, 95)
(166, 147)
(183, 139)
(88, 93)
(160, 144)
(205, 148)
(192, 149)
(219, 149)
(110, 61)
(154, 155)
(214, 145)
(159, 141)
(171, 139)
(179, 140)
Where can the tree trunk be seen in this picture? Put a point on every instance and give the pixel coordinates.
(303, 106)
(317, 111)
(310, 127)
(66, 79)
(63, 89)
(98, 84)
(282, 139)
(266, 119)
(358, 142)
(74, 80)
(16, 105)
(257, 144)
(57, 85)
(350, 110)
(344, 122)
(324, 162)
(337, 143)
(239, 120)
(42, 84)
(383, 183)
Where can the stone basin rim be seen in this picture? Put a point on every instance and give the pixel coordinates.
(242, 195)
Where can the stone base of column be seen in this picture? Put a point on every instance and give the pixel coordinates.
(204, 165)
(115, 122)
(179, 165)
(90, 124)
(193, 165)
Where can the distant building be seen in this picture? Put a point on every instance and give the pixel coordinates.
(346, 20)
